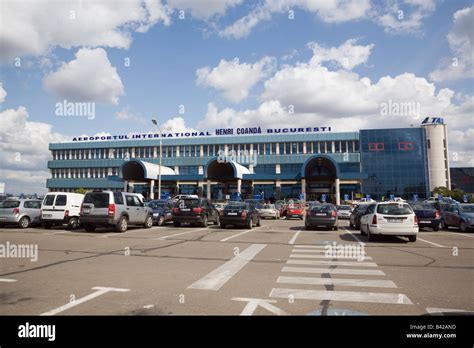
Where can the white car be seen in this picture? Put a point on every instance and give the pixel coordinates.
(343, 211)
(269, 211)
(178, 197)
(60, 208)
(394, 219)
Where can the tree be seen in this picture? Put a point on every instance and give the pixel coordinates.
(80, 190)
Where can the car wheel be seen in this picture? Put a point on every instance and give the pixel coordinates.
(216, 222)
(122, 225)
(462, 226)
(46, 225)
(161, 220)
(148, 222)
(89, 228)
(370, 236)
(204, 221)
(444, 226)
(412, 238)
(436, 227)
(223, 225)
(73, 223)
(258, 222)
(335, 228)
(249, 224)
(176, 224)
(24, 222)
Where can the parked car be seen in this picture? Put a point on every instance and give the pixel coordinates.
(392, 218)
(61, 208)
(195, 211)
(21, 212)
(114, 209)
(343, 211)
(427, 214)
(219, 206)
(295, 210)
(281, 207)
(269, 211)
(458, 215)
(162, 211)
(178, 197)
(357, 212)
(322, 215)
(240, 214)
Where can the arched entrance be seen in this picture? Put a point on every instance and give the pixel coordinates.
(225, 178)
(320, 176)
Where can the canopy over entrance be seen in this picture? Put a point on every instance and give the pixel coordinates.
(138, 170)
(220, 171)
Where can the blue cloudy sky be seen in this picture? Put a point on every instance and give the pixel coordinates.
(205, 64)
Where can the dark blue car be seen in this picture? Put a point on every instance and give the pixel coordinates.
(162, 211)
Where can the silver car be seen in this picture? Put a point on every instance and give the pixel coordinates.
(343, 211)
(269, 211)
(21, 212)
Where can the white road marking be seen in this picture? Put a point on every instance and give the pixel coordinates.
(441, 311)
(253, 304)
(149, 306)
(179, 234)
(435, 244)
(7, 280)
(353, 236)
(236, 235)
(351, 296)
(292, 240)
(333, 270)
(313, 251)
(100, 291)
(311, 246)
(461, 234)
(332, 263)
(338, 281)
(304, 256)
(217, 278)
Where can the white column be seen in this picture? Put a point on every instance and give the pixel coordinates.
(155, 152)
(277, 148)
(201, 150)
(125, 182)
(303, 189)
(338, 194)
(209, 189)
(239, 185)
(152, 191)
(304, 147)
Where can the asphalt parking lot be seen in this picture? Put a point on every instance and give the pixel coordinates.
(278, 268)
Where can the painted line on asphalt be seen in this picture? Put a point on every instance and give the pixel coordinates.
(305, 256)
(337, 281)
(315, 251)
(333, 270)
(435, 244)
(292, 240)
(332, 263)
(7, 280)
(179, 234)
(100, 291)
(222, 274)
(354, 236)
(238, 234)
(456, 233)
(441, 311)
(350, 296)
(311, 246)
(254, 303)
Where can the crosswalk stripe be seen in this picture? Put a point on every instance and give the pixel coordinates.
(332, 263)
(311, 251)
(311, 246)
(351, 296)
(303, 256)
(333, 270)
(337, 281)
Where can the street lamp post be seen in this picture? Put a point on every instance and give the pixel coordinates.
(155, 122)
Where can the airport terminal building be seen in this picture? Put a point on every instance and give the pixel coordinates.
(275, 163)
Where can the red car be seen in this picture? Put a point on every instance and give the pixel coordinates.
(295, 211)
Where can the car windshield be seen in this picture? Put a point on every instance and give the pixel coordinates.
(99, 199)
(9, 204)
(321, 208)
(423, 207)
(295, 206)
(233, 206)
(343, 207)
(188, 203)
(156, 205)
(467, 208)
(268, 206)
(394, 209)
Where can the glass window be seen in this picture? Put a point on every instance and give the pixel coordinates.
(376, 146)
(49, 200)
(282, 148)
(265, 168)
(294, 148)
(32, 204)
(260, 149)
(338, 146)
(267, 148)
(287, 148)
(118, 198)
(61, 200)
(328, 146)
(300, 147)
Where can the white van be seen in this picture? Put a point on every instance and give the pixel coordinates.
(61, 208)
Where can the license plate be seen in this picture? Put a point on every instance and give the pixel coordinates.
(185, 209)
(320, 214)
(47, 215)
(425, 222)
(3, 218)
(395, 220)
(231, 213)
(168, 213)
(86, 210)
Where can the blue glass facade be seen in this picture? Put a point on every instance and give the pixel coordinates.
(395, 162)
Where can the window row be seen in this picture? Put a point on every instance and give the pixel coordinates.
(82, 173)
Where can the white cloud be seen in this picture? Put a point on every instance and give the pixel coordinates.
(204, 9)
(3, 93)
(348, 55)
(32, 28)
(125, 114)
(461, 40)
(235, 79)
(175, 125)
(24, 151)
(88, 78)
(335, 11)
